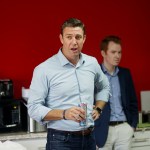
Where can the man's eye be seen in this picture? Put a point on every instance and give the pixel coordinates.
(69, 37)
(78, 37)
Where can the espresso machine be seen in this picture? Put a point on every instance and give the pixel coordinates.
(6, 89)
(11, 110)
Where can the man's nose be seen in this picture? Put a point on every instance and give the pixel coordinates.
(117, 55)
(74, 41)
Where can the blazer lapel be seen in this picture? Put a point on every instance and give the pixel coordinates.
(122, 86)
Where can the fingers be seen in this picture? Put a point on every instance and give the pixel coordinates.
(75, 113)
(95, 115)
(78, 118)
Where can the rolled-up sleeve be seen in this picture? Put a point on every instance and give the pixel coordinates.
(102, 87)
(37, 95)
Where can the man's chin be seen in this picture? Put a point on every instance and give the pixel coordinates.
(76, 52)
(115, 64)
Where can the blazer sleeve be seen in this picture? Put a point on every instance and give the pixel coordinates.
(129, 97)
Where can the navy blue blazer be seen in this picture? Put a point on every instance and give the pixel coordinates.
(129, 103)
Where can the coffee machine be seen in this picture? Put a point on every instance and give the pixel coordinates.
(11, 110)
(6, 89)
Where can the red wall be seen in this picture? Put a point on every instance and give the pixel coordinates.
(29, 32)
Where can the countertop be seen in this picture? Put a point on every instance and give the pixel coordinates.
(26, 135)
(142, 129)
(21, 135)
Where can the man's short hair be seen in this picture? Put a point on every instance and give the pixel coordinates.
(104, 43)
(73, 22)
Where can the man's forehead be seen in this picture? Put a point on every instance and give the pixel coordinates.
(70, 30)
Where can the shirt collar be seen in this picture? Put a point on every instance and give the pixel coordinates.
(64, 61)
(105, 70)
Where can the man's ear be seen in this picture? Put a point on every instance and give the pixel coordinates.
(61, 38)
(84, 38)
(103, 53)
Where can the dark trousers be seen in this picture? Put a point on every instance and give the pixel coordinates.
(59, 140)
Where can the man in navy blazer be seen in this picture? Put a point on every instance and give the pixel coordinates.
(115, 127)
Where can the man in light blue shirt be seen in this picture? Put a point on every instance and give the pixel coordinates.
(60, 84)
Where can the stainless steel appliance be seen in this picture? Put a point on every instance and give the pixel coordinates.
(34, 126)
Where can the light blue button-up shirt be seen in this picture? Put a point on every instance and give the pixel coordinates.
(117, 113)
(58, 84)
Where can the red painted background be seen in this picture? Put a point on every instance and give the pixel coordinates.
(29, 34)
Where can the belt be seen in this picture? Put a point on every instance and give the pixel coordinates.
(114, 123)
(85, 132)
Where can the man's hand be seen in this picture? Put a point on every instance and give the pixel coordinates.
(75, 113)
(95, 114)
